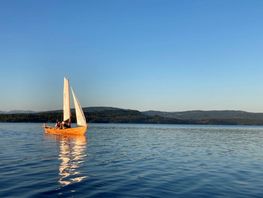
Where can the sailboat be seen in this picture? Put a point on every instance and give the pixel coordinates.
(82, 125)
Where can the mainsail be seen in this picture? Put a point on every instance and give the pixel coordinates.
(81, 120)
(66, 102)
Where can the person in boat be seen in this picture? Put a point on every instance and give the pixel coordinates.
(58, 125)
(66, 124)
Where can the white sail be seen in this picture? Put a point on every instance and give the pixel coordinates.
(66, 102)
(81, 120)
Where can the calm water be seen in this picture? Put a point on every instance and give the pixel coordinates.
(132, 161)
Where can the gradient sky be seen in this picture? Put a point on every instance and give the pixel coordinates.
(140, 54)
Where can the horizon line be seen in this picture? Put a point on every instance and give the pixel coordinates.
(192, 110)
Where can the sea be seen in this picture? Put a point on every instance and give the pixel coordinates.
(132, 160)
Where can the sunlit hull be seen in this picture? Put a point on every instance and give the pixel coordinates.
(68, 131)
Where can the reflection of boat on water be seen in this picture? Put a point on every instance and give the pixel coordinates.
(71, 156)
(80, 117)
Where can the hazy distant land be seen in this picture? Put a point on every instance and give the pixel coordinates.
(117, 115)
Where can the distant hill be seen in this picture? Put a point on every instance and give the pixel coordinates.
(118, 115)
(200, 115)
(99, 109)
(16, 112)
(213, 117)
(93, 115)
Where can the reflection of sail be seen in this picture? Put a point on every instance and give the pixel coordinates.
(71, 156)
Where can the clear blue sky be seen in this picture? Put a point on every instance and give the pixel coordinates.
(140, 54)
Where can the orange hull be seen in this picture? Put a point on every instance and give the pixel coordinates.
(69, 131)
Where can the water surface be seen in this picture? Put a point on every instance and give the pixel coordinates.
(125, 160)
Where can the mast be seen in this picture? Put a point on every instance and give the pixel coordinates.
(81, 120)
(66, 101)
